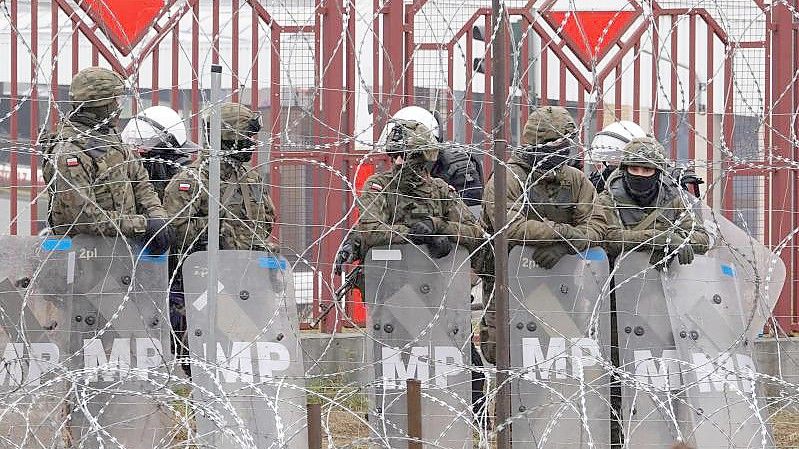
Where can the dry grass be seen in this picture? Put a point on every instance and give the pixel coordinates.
(786, 429)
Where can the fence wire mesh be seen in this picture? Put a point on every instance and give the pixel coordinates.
(652, 287)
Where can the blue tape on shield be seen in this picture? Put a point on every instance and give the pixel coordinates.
(156, 259)
(59, 244)
(272, 263)
(593, 254)
(728, 271)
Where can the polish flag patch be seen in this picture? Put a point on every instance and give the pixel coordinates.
(72, 162)
(184, 186)
(376, 187)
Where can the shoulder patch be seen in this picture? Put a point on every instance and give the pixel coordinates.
(451, 189)
(72, 162)
(184, 186)
(376, 187)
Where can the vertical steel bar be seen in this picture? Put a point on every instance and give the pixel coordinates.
(500, 91)
(655, 68)
(692, 106)
(414, 411)
(617, 112)
(34, 116)
(562, 86)
(450, 92)
(195, 70)
(729, 126)
(175, 68)
(214, 32)
(54, 63)
(710, 125)
(468, 105)
(154, 93)
(637, 84)
(544, 77)
(407, 76)
(234, 57)
(488, 69)
(256, 60)
(314, 417)
(14, 130)
(674, 77)
(214, 181)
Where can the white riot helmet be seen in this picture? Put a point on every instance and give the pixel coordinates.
(608, 144)
(155, 127)
(416, 114)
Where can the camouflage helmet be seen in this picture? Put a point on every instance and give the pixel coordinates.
(239, 121)
(548, 124)
(96, 86)
(644, 152)
(408, 137)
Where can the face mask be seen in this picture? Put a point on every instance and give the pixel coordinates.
(642, 189)
(547, 160)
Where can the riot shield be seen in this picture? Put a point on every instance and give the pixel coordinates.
(255, 394)
(760, 272)
(419, 327)
(560, 345)
(34, 338)
(718, 369)
(119, 351)
(649, 363)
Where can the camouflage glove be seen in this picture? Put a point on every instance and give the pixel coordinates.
(159, 235)
(439, 246)
(548, 256)
(576, 238)
(422, 231)
(685, 253)
(345, 255)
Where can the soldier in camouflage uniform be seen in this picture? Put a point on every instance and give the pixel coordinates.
(97, 184)
(550, 205)
(246, 212)
(647, 211)
(407, 204)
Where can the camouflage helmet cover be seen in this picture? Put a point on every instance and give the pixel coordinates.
(409, 137)
(96, 86)
(644, 152)
(548, 124)
(239, 121)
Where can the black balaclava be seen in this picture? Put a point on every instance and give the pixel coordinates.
(642, 189)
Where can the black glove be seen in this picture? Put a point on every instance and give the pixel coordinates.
(548, 256)
(421, 231)
(159, 235)
(439, 246)
(685, 253)
(345, 255)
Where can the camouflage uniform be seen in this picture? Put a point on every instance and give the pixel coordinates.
(246, 212)
(392, 202)
(97, 184)
(550, 205)
(630, 229)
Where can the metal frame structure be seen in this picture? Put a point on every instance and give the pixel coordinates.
(332, 152)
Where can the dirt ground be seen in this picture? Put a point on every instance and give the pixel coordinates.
(348, 429)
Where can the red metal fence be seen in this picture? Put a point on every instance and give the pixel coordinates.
(721, 97)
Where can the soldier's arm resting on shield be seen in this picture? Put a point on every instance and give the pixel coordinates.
(74, 205)
(590, 220)
(374, 228)
(459, 224)
(147, 200)
(521, 230)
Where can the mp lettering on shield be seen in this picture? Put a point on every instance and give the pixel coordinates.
(414, 363)
(579, 352)
(722, 373)
(237, 362)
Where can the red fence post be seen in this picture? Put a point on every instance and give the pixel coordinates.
(783, 209)
(333, 132)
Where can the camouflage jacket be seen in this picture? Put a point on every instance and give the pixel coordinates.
(246, 211)
(675, 212)
(541, 212)
(97, 184)
(387, 211)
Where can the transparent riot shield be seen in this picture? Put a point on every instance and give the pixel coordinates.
(760, 272)
(419, 328)
(119, 353)
(649, 363)
(254, 395)
(34, 340)
(718, 369)
(560, 348)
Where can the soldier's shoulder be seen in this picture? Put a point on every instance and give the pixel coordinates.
(377, 182)
(442, 187)
(575, 175)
